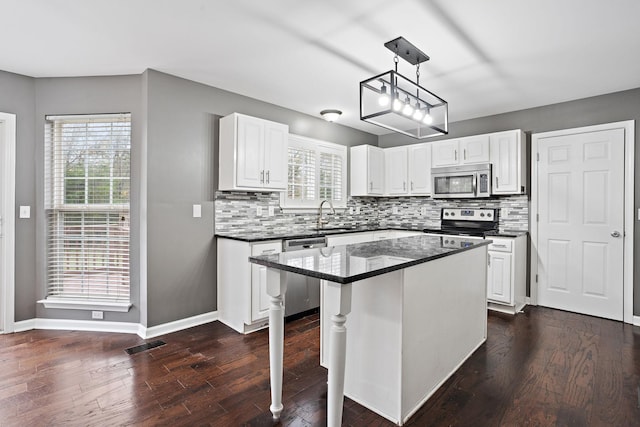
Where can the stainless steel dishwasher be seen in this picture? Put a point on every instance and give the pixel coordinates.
(303, 293)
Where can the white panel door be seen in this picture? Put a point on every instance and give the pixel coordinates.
(250, 170)
(275, 156)
(3, 264)
(420, 169)
(581, 222)
(499, 276)
(395, 161)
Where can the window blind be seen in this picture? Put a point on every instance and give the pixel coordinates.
(316, 171)
(87, 199)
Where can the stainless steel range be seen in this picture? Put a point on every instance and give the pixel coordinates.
(461, 225)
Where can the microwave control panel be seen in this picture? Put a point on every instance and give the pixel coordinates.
(484, 183)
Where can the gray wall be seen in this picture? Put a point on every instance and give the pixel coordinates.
(608, 108)
(18, 97)
(182, 144)
(84, 95)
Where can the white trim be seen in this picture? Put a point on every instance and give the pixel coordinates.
(636, 320)
(629, 209)
(69, 304)
(116, 327)
(178, 325)
(7, 211)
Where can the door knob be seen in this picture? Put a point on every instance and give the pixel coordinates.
(615, 233)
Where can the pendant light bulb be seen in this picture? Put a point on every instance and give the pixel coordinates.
(383, 100)
(397, 104)
(417, 115)
(427, 120)
(408, 109)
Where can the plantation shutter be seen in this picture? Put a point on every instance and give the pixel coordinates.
(87, 199)
(301, 177)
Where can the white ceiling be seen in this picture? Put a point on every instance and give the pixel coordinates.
(487, 57)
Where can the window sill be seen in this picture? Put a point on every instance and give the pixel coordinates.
(64, 304)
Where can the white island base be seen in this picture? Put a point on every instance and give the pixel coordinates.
(409, 330)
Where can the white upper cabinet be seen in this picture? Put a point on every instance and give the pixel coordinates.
(367, 171)
(396, 170)
(420, 169)
(508, 171)
(463, 151)
(445, 153)
(253, 154)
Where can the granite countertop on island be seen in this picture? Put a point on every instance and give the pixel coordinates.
(350, 263)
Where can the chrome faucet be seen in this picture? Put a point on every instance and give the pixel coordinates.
(322, 221)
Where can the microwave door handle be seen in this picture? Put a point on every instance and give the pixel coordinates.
(475, 184)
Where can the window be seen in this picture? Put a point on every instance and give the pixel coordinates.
(316, 171)
(87, 196)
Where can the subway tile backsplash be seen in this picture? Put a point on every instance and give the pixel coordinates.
(237, 211)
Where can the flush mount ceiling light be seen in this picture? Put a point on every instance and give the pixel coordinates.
(330, 115)
(394, 102)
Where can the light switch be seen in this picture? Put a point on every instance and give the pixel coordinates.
(25, 211)
(394, 210)
(259, 211)
(357, 210)
(197, 211)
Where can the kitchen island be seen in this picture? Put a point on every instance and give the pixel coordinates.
(418, 311)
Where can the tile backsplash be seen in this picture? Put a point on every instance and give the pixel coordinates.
(237, 211)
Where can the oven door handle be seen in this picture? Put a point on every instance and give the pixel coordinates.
(475, 184)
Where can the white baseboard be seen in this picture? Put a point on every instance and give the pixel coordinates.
(177, 325)
(636, 320)
(118, 327)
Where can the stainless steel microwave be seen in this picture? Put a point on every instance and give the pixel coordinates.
(466, 181)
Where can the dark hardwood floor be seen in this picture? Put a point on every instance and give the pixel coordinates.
(540, 368)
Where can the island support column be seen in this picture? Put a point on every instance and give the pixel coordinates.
(276, 287)
(338, 298)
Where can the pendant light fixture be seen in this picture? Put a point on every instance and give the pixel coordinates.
(395, 102)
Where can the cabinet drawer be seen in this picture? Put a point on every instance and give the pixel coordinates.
(266, 248)
(501, 245)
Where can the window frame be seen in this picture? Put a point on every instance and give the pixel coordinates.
(318, 146)
(57, 206)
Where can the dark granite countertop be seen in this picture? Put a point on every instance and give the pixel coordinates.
(261, 236)
(350, 263)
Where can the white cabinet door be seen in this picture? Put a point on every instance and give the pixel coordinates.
(375, 170)
(420, 169)
(396, 170)
(445, 153)
(506, 162)
(499, 281)
(475, 149)
(349, 238)
(259, 298)
(250, 146)
(275, 156)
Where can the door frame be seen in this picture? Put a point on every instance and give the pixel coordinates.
(8, 212)
(629, 217)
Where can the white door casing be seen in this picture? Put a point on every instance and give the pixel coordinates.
(582, 196)
(7, 220)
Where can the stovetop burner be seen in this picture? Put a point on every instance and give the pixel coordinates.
(467, 222)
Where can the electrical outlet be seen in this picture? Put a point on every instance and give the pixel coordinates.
(358, 210)
(259, 211)
(423, 210)
(97, 315)
(394, 210)
(197, 211)
(351, 210)
(272, 211)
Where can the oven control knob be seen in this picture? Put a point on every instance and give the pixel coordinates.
(481, 214)
(453, 213)
(489, 215)
(446, 214)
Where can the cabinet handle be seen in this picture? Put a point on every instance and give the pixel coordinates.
(455, 154)
(464, 152)
(404, 185)
(371, 186)
(411, 185)
(266, 251)
(498, 246)
(489, 260)
(261, 177)
(268, 176)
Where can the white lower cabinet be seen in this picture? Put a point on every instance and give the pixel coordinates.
(506, 274)
(243, 302)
